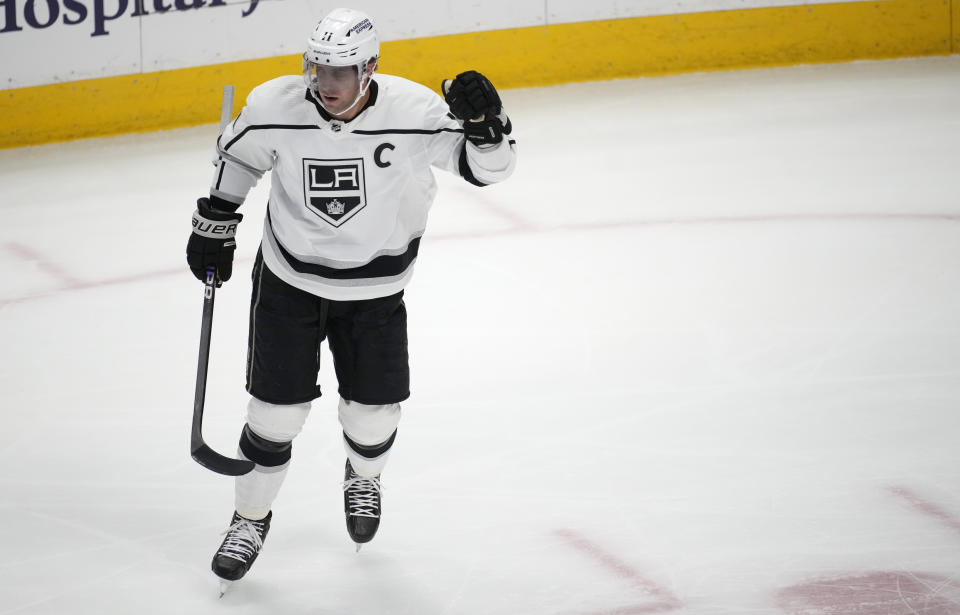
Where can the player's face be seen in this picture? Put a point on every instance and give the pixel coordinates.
(338, 87)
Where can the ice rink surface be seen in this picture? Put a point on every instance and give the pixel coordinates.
(700, 355)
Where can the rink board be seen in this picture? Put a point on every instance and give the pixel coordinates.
(513, 58)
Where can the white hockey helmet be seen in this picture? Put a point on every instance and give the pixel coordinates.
(345, 37)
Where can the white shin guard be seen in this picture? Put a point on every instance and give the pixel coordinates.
(368, 426)
(256, 490)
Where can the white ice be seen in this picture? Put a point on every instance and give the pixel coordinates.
(703, 348)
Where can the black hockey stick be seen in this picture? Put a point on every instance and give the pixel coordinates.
(199, 450)
(201, 453)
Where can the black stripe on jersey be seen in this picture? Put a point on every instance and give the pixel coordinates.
(383, 266)
(465, 171)
(406, 131)
(387, 131)
(220, 174)
(269, 127)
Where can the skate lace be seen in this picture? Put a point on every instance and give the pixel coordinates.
(243, 540)
(363, 495)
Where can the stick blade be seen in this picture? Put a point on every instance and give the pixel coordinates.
(214, 461)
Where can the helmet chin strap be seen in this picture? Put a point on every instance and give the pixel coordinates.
(363, 90)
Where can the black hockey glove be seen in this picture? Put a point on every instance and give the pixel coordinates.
(475, 103)
(212, 242)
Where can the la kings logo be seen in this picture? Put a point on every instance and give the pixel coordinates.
(335, 190)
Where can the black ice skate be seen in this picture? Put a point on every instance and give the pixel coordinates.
(240, 548)
(361, 505)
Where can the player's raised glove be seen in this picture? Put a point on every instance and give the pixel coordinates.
(476, 104)
(212, 242)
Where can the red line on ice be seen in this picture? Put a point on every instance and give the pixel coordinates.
(47, 266)
(68, 281)
(666, 600)
(927, 507)
(521, 226)
(526, 228)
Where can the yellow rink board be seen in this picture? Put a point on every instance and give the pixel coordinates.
(955, 25)
(520, 57)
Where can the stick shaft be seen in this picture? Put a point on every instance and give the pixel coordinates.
(199, 449)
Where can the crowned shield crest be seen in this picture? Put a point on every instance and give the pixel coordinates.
(334, 190)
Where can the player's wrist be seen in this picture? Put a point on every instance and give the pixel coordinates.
(223, 205)
(207, 209)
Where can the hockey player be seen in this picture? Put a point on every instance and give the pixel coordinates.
(350, 156)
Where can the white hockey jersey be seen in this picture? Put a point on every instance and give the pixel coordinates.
(348, 200)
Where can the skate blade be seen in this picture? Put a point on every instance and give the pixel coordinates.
(224, 586)
(358, 546)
